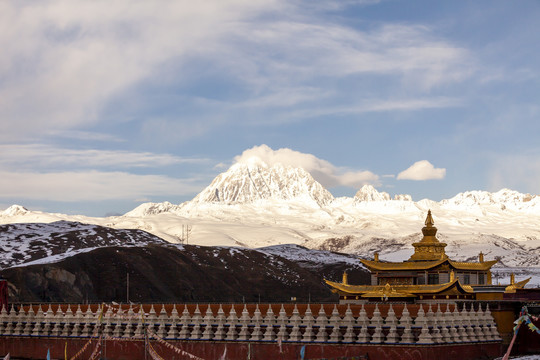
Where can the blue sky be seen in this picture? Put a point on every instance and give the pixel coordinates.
(106, 105)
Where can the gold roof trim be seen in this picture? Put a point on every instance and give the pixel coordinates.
(406, 265)
(519, 285)
(387, 291)
(486, 265)
(398, 289)
(426, 265)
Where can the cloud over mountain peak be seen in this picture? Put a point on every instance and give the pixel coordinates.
(322, 170)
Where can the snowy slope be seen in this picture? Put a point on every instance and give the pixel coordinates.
(253, 205)
(37, 242)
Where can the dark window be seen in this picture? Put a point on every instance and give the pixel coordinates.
(481, 280)
(433, 278)
(466, 279)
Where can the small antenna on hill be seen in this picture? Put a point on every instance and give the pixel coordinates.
(186, 230)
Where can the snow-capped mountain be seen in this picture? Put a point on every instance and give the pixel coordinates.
(14, 210)
(503, 199)
(254, 181)
(255, 205)
(369, 193)
(150, 208)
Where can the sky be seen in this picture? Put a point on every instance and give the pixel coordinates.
(106, 105)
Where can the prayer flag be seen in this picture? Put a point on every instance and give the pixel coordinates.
(224, 356)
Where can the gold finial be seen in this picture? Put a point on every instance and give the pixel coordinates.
(345, 278)
(376, 256)
(512, 279)
(429, 248)
(481, 257)
(429, 220)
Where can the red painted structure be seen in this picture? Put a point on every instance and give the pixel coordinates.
(36, 348)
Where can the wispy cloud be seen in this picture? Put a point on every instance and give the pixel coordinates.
(304, 48)
(91, 186)
(376, 105)
(39, 156)
(86, 136)
(515, 171)
(63, 63)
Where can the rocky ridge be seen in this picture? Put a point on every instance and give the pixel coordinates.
(246, 183)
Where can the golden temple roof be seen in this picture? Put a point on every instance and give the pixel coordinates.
(387, 290)
(428, 253)
(519, 285)
(426, 265)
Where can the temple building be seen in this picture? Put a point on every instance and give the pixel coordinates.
(427, 275)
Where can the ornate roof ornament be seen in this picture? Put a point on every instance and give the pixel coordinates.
(429, 248)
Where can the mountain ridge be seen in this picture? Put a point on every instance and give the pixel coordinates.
(249, 182)
(501, 224)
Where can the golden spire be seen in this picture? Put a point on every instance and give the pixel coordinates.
(429, 230)
(429, 219)
(429, 248)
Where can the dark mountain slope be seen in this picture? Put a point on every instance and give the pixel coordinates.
(167, 273)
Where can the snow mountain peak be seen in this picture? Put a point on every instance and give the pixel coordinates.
(504, 198)
(254, 180)
(14, 210)
(369, 193)
(150, 208)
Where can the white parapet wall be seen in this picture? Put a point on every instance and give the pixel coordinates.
(316, 323)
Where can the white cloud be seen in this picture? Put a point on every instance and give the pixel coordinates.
(90, 186)
(422, 170)
(63, 62)
(322, 170)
